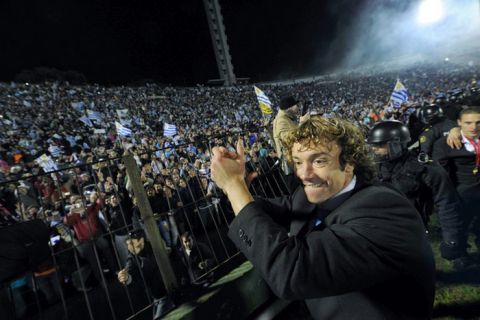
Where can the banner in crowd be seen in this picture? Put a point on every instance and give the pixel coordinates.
(169, 130)
(47, 164)
(86, 121)
(399, 95)
(121, 130)
(94, 115)
(263, 101)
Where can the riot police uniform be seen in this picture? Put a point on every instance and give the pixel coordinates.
(419, 182)
(435, 127)
(452, 105)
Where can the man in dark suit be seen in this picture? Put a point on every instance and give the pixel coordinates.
(463, 165)
(351, 250)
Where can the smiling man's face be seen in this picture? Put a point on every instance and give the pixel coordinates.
(319, 169)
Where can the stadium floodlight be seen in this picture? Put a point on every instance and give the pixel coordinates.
(430, 11)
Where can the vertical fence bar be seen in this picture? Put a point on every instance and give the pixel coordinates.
(151, 227)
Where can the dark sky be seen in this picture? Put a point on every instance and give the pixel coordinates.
(117, 42)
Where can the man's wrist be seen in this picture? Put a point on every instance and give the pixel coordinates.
(238, 194)
(234, 185)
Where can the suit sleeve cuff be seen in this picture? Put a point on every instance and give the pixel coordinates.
(238, 227)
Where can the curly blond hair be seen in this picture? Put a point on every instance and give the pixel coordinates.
(322, 131)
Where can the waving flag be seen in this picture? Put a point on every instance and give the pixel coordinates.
(55, 151)
(263, 101)
(94, 115)
(46, 163)
(86, 121)
(169, 130)
(122, 131)
(399, 95)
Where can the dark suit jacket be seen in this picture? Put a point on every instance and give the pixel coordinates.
(458, 163)
(368, 259)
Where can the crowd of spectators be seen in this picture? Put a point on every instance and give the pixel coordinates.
(45, 118)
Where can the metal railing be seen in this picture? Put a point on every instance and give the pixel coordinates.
(95, 211)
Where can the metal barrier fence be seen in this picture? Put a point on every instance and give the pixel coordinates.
(125, 234)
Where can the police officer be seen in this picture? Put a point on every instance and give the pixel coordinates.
(435, 126)
(419, 181)
(452, 104)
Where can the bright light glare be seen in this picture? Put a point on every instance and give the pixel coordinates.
(430, 11)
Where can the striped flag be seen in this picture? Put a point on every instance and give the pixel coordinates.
(121, 130)
(55, 151)
(263, 101)
(46, 163)
(399, 95)
(86, 121)
(94, 115)
(169, 130)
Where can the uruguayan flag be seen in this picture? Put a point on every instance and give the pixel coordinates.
(263, 101)
(87, 121)
(94, 115)
(399, 95)
(126, 122)
(169, 130)
(122, 131)
(55, 151)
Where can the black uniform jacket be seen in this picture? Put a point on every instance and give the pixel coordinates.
(458, 163)
(369, 258)
(432, 133)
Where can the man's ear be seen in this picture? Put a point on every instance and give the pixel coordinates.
(349, 168)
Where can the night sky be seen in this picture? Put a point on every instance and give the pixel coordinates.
(119, 42)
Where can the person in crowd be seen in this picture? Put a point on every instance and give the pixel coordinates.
(420, 182)
(118, 214)
(198, 259)
(435, 126)
(285, 120)
(91, 245)
(141, 272)
(463, 165)
(338, 240)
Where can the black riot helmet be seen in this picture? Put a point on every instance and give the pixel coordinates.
(475, 96)
(441, 100)
(430, 114)
(394, 135)
(456, 96)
